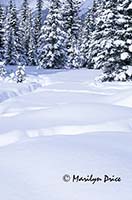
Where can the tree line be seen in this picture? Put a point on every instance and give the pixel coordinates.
(100, 40)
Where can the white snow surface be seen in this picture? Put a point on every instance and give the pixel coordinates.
(64, 122)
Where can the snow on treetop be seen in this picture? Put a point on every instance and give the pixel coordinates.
(21, 67)
(129, 41)
(130, 6)
(119, 42)
(130, 48)
(124, 56)
(2, 63)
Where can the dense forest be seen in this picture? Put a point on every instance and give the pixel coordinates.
(102, 39)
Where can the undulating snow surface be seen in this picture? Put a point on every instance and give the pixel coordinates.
(64, 122)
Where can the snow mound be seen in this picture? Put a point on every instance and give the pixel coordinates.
(64, 122)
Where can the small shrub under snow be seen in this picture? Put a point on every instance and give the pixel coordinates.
(2, 70)
(20, 74)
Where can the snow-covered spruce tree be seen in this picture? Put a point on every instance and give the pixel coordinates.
(95, 22)
(20, 74)
(21, 55)
(10, 35)
(85, 36)
(2, 70)
(25, 29)
(2, 32)
(72, 28)
(125, 33)
(52, 47)
(114, 57)
(32, 57)
(96, 10)
(38, 25)
(128, 35)
(106, 57)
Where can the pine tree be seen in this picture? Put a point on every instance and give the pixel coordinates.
(95, 22)
(20, 74)
(2, 31)
(18, 38)
(38, 26)
(72, 28)
(32, 57)
(21, 55)
(114, 56)
(25, 29)
(125, 34)
(38, 21)
(10, 35)
(87, 30)
(2, 70)
(128, 36)
(52, 49)
(106, 56)
(96, 10)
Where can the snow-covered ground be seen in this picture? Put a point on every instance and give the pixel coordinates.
(64, 122)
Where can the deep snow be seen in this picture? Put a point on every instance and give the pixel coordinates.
(64, 122)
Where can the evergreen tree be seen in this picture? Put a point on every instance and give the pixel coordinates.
(129, 29)
(95, 23)
(2, 70)
(125, 32)
(52, 49)
(114, 57)
(20, 74)
(2, 31)
(25, 29)
(106, 55)
(38, 26)
(10, 35)
(32, 57)
(96, 10)
(38, 21)
(87, 30)
(72, 28)
(21, 53)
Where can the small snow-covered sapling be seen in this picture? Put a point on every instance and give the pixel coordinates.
(20, 74)
(2, 69)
